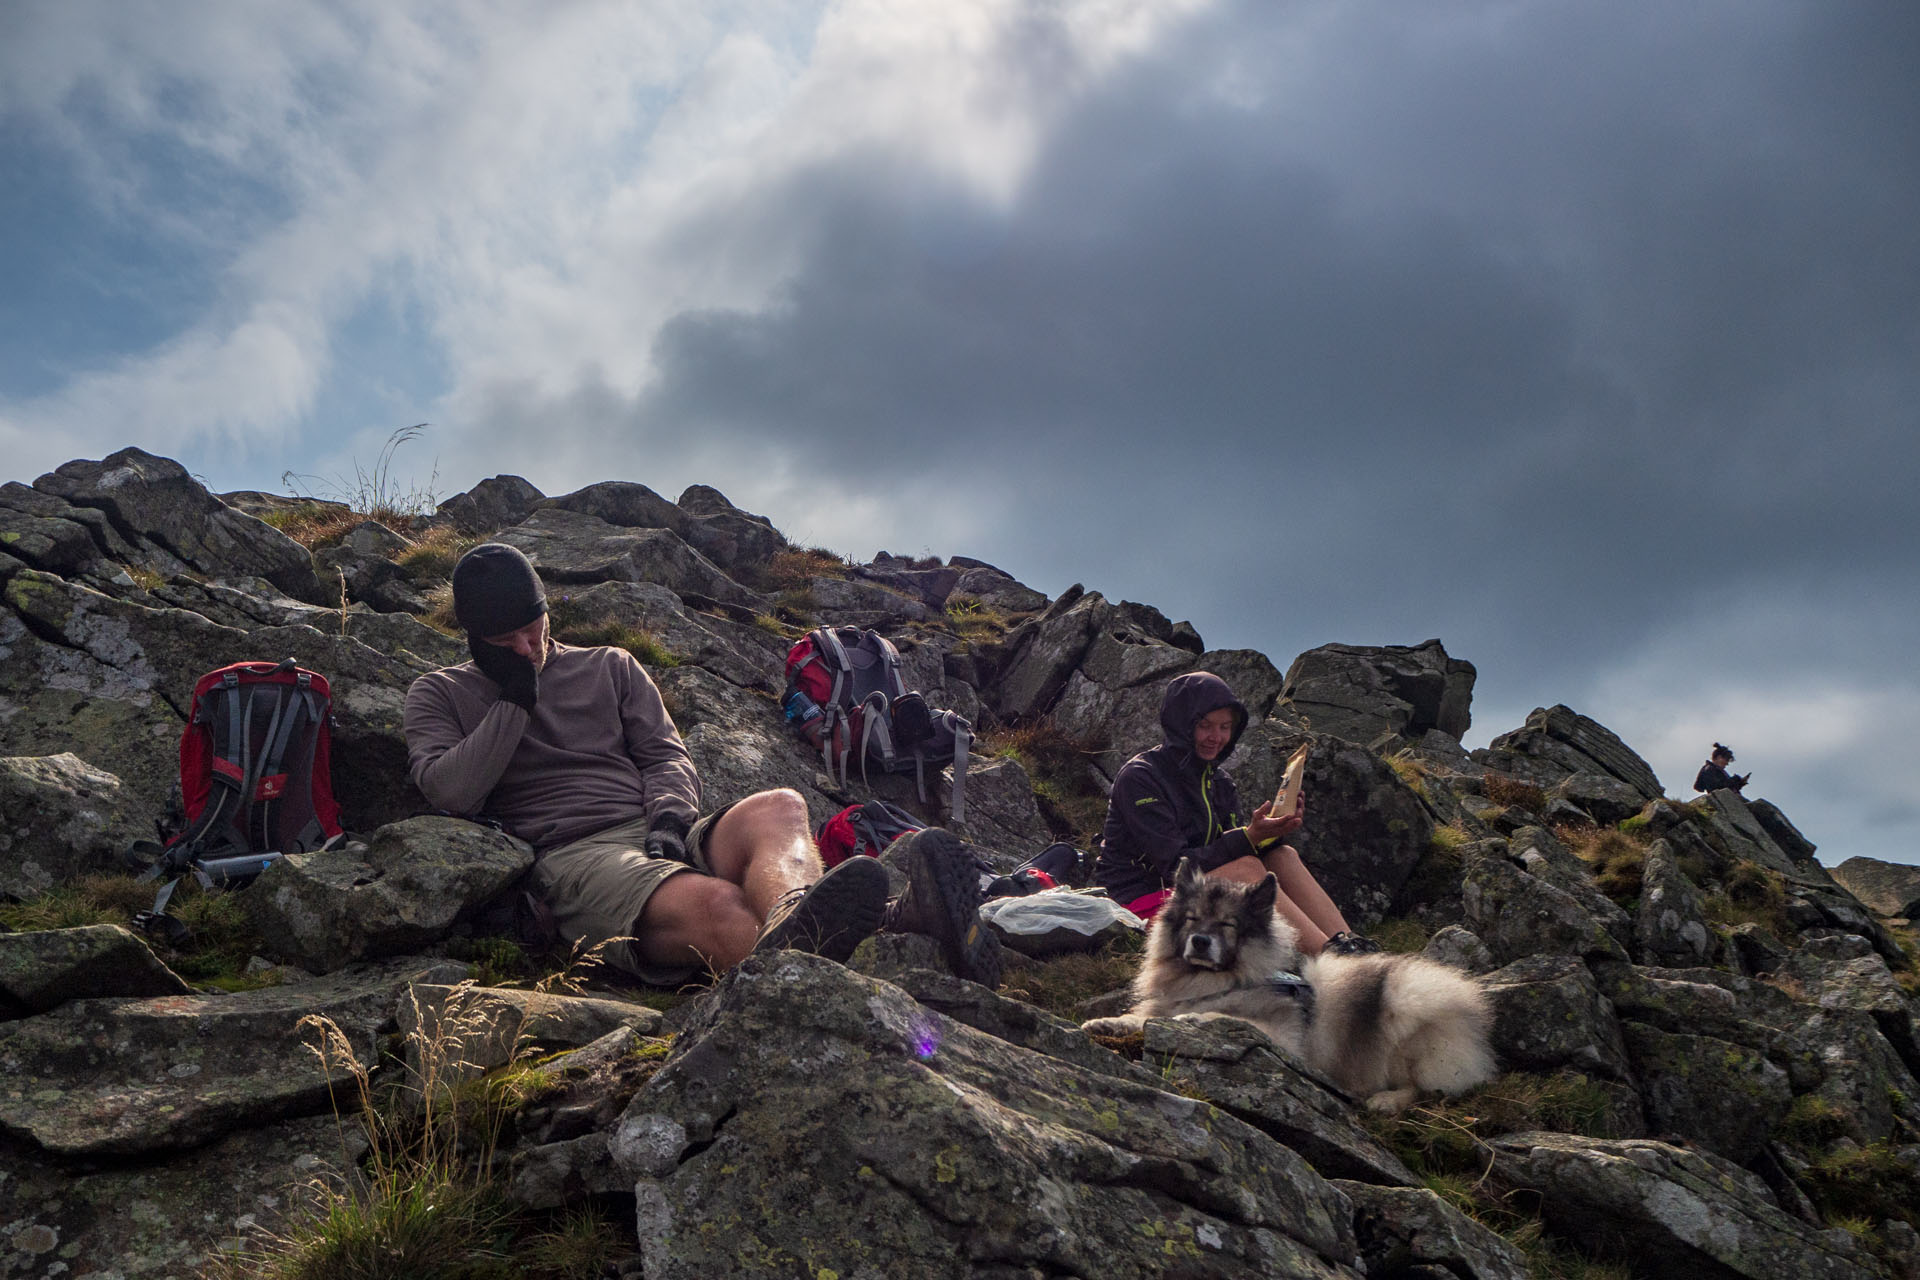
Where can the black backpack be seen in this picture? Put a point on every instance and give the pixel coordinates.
(846, 681)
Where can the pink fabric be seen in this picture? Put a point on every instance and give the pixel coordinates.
(1148, 907)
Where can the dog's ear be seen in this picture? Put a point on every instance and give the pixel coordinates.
(1188, 875)
(1260, 897)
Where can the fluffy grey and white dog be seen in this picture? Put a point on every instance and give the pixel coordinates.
(1385, 1028)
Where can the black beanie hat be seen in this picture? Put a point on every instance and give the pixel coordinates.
(495, 590)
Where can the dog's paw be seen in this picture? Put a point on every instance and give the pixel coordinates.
(1126, 1024)
(1392, 1101)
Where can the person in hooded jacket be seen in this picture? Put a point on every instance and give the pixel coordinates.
(1175, 801)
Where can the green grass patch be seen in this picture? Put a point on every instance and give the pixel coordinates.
(570, 625)
(1403, 937)
(773, 626)
(1813, 1124)
(75, 904)
(1864, 1181)
(495, 961)
(1062, 984)
(219, 945)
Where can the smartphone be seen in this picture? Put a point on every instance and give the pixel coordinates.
(1289, 793)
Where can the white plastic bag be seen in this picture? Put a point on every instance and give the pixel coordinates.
(1056, 920)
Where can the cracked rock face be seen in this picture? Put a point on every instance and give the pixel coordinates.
(1686, 1206)
(814, 1117)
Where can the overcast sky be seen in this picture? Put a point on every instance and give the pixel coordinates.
(1584, 336)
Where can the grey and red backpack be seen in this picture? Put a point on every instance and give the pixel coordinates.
(255, 780)
(846, 682)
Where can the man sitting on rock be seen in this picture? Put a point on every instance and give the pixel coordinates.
(573, 751)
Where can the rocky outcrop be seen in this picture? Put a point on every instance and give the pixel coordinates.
(406, 887)
(948, 1150)
(59, 819)
(1558, 742)
(490, 505)
(171, 523)
(1691, 1209)
(1720, 989)
(1888, 888)
(1376, 695)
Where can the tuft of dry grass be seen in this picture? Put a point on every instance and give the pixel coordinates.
(434, 553)
(1511, 792)
(315, 525)
(1618, 859)
(1445, 1143)
(1411, 772)
(430, 1200)
(974, 621)
(792, 570)
(1751, 894)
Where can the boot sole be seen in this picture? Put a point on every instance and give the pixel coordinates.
(941, 872)
(840, 911)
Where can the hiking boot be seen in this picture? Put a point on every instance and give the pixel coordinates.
(831, 916)
(942, 901)
(1344, 943)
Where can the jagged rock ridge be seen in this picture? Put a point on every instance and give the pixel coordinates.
(1738, 1014)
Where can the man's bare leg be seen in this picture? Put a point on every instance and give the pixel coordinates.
(759, 849)
(691, 919)
(763, 845)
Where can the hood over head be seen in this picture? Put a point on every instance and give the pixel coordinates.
(1191, 696)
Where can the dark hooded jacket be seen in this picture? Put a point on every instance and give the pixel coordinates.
(1714, 777)
(1168, 804)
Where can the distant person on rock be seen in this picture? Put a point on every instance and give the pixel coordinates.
(572, 750)
(1175, 802)
(1713, 775)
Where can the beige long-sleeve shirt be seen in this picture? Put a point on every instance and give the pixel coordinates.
(599, 748)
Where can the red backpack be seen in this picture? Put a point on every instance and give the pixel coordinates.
(255, 775)
(863, 830)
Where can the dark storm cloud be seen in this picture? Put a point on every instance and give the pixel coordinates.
(1474, 314)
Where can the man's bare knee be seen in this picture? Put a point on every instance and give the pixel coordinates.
(765, 825)
(780, 811)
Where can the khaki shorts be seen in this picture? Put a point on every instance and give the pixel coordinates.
(597, 887)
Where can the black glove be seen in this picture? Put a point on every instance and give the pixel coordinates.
(519, 682)
(667, 838)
